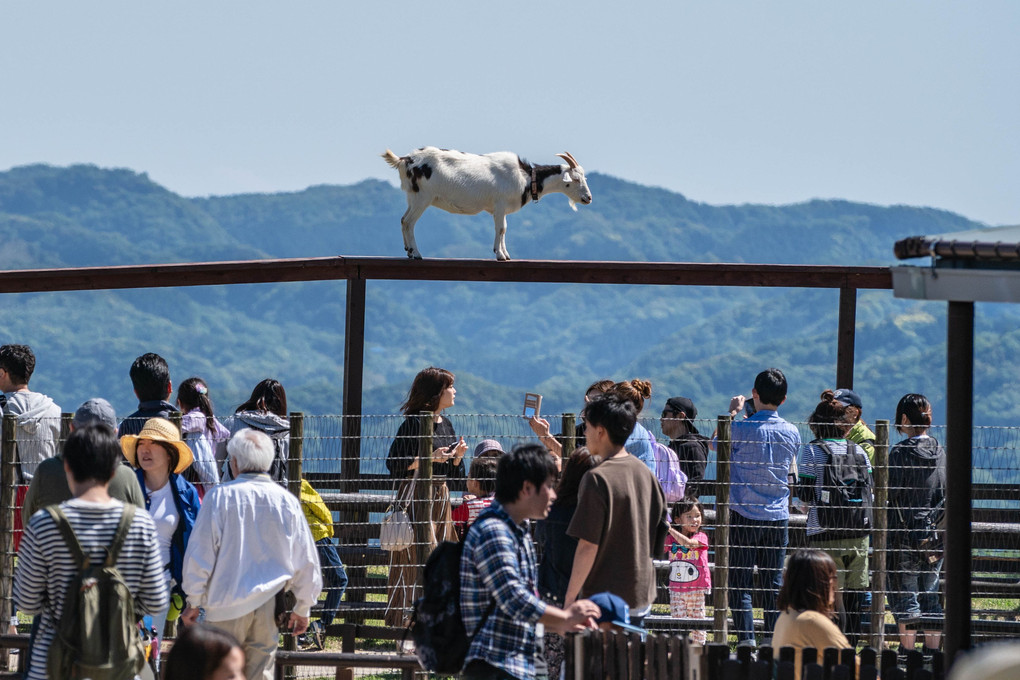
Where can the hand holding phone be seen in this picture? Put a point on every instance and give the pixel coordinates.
(532, 404)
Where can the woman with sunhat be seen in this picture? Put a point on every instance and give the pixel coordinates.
(159, 457)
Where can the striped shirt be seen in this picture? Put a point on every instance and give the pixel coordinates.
(812, 466)
(45, 565)
(498, 564)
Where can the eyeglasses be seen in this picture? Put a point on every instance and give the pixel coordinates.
(667, 413)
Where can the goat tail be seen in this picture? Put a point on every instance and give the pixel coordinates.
(391, 158)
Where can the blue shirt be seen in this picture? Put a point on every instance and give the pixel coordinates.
(764, 446)
(640, 445)
(498, 564)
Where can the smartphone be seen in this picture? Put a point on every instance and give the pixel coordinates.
(532, 404)
(749, 409)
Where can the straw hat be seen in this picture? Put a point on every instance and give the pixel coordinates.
(158, 430)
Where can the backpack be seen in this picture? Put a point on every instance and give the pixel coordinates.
(97, 635)
(671, 478)
(845, 502)
(441, 642)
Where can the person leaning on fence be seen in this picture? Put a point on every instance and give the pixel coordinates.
(251, 542)
(432, 390)
(334, 575)
(481, 485)
(807, 601)
(917, 489)
(763, 451)
(847, 543)
(150, 378)
(46, 565)
(202, 432)
(690, 577)
(498, 574)
(619, 522)
(557, 548)
(37, 417)
(265, 411)
(691, 447)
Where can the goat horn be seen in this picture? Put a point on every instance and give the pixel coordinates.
(569, 159)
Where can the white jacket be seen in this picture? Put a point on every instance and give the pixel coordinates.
(38, 428)
(250, 540)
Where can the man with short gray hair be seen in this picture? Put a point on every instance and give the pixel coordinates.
(254, 522)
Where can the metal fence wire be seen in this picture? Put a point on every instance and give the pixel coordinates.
(373, 617)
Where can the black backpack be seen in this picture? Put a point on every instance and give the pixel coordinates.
(440, 640)
(845, 501)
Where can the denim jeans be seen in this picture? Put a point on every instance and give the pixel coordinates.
(913, 585)
(762, 543)
(334, 578)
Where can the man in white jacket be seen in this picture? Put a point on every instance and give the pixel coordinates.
(251, 541)
(37, 416)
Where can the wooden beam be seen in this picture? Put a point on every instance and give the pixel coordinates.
(530, 271)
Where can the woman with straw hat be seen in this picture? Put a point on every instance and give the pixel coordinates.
(159, 457)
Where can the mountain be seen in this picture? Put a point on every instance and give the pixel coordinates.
(500, 339)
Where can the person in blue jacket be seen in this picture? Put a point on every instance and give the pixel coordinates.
(159, 456)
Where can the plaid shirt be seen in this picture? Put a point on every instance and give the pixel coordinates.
(764, 447)
(498, 564)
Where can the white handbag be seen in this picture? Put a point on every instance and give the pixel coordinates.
(396, 532)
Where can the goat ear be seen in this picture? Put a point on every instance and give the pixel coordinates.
(567, 178)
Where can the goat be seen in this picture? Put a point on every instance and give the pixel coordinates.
(466, 184)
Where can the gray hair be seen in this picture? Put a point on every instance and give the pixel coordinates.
(251, 450)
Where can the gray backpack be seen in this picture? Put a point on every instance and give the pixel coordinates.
(97, 635)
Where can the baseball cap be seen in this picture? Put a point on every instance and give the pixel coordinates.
(848, 398)
(487, 445)
(683, 405)
(615, 611)
(96, 410)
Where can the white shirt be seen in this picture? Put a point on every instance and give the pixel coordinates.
(165, 517)
(250, 540)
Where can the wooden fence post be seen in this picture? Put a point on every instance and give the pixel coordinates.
(295, 456)
(880, 534)
(720, 578)
(9, 475)
(569, 430)
(422, 502)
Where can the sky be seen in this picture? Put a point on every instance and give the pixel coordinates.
(726, 102)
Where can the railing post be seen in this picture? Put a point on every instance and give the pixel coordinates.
(297, 445)
(569, 428)
(9, 469)
(880, 534)
(422, 515)
(720, 580)
(845, 337)
(354, 368)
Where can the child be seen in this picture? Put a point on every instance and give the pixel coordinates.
(690, 579)
(334, 575)
(481, 485)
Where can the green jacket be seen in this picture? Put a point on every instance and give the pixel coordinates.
(861, 435)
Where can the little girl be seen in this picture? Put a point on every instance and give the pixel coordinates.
(690, 580)
(201, 431)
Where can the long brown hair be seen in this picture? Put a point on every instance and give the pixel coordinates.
(579, 462)
(269, 396)
(425, 390)
(808, 582)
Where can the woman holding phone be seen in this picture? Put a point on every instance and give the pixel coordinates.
(431, 391)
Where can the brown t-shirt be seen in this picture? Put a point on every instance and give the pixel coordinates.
(619, 509)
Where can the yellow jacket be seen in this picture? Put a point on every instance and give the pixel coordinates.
(320, 519)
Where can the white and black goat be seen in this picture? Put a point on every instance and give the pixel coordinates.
(466, 184)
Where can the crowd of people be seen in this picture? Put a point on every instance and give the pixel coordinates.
(556, 543)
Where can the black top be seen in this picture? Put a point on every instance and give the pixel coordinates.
(404, 451)
(557, 553)
(917, 483)
(692, 453)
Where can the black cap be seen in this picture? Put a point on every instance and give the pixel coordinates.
(683, 405)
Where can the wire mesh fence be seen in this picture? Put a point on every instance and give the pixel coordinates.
(382, 585)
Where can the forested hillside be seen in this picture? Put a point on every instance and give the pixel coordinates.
(500, 339)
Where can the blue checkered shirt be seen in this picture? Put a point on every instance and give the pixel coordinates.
(498, 564)
(764, 447)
